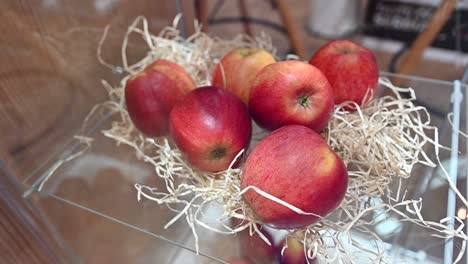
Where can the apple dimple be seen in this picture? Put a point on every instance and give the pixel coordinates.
(218, 153)
(346, 50)
(303, 100)
(346, 47)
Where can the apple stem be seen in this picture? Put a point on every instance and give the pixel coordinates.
(303, 100)
(247, 52)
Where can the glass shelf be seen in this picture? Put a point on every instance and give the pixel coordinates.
(51, 78)
(100, 184)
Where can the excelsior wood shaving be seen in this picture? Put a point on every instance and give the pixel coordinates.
(380, 143)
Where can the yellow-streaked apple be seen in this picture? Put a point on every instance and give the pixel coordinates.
(238, 68)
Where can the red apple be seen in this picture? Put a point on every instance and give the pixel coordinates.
(296, 165)
(294, 253)
(151, 94)
(291, 93)
(350, 68)
(238, 68)
(257, 250)
(211, 126)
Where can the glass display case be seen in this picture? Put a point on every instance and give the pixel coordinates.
(100, 185)
(50, 78)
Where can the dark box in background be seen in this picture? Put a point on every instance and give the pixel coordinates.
(404, 20)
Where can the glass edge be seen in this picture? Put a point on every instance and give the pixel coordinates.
(48, 165)
(133, 227)
(418, 78)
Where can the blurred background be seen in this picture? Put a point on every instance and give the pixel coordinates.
(50, 76)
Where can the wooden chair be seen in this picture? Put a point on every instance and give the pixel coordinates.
(409, 60)
(201, 7)
(413, 56)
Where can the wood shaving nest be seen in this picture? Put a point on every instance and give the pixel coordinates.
(380, 143)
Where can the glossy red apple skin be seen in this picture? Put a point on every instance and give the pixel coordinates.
(350, 68)
(294, 253)
(210, 126)
(150, 96)
(291, 93)
(238, 68)
(296, 165)
(254, 248)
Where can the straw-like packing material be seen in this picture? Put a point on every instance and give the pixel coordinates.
(380, 143)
